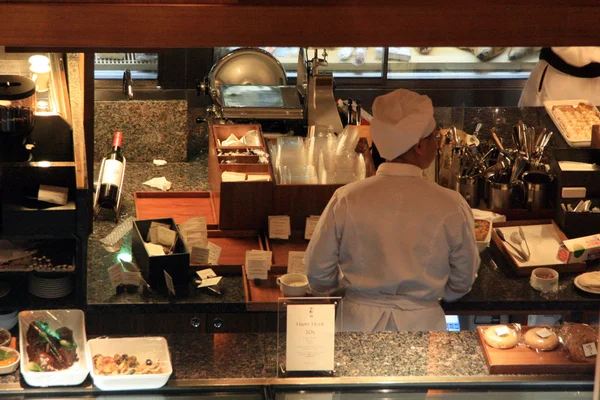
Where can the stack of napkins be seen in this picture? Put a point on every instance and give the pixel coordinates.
(231, 141)
(161, 239)
(195, 236)
(228, 176)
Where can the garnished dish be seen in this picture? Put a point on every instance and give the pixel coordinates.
(123, 364)
(576, 121)
(8, 357)
(50, 350)
(482, 228)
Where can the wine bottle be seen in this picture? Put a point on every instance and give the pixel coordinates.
(112, 174)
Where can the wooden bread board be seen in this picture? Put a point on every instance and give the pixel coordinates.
(526, 270)
(523, 360)
(180, 206)
(282, 247)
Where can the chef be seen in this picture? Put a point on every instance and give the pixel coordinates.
(563, 73)
(395, 242)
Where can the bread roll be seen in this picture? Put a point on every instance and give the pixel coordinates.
(574, 336)
(536, 342)
(508, 341)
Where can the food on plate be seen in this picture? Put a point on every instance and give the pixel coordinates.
(123, 364)
(541, 338)
(501, 337)
(482, 228)
(581, 341)
(576, 121)
(424, 50)
(48, 349)
(590, 280)
(8, 357)
(514, 53)
(485, 53)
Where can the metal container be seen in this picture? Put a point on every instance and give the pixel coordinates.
(469, 189)
(17, 106)
(500, 194)
(537, 186)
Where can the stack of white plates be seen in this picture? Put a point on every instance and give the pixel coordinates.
(50, 288)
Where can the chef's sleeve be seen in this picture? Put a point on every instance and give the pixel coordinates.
(322, 255)
(464, 256)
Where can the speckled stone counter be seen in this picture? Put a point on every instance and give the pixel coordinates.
(383, 359)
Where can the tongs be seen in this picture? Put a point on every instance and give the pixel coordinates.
(524, 256)
(522, 234)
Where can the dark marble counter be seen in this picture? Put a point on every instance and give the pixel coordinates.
(380, 358)
(496, 289)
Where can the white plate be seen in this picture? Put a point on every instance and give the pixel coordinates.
(585, 288)
(573, 143)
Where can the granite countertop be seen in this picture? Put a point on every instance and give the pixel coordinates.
(497, 288)
(400, 357)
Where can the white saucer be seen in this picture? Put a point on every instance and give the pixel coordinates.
(585, 288)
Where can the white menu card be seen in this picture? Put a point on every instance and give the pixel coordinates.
(310, 339)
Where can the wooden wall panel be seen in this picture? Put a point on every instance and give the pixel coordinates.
(295, 23)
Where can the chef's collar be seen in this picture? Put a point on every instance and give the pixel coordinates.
(399, 169)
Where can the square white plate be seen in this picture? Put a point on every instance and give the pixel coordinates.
(573, 143)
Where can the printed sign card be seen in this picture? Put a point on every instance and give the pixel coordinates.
(296, 262)
(311, 223)
(310, 339)
(279, 227)
(258, 263)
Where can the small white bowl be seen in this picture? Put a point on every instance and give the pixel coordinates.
(10, 320)
(482, 245)
(12, 367)
(544, 279)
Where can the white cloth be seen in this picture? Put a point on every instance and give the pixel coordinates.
(400, 119)
(398, 243)
(558, 85)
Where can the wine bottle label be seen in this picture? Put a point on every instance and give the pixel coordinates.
(53, 194)
(113, 171)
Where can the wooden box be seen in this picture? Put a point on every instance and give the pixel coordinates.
(220, 132)
(263, 295)
(282, 247)
(523, 360)
(234, 245)
(180, 206)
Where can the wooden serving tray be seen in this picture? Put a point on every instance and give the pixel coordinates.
(234, 245)
(281, 247)
(263, 295)
(526, 270)
(180, 206)
(523, 360)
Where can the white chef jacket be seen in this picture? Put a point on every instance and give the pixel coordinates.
(557, 85)
(398, 243)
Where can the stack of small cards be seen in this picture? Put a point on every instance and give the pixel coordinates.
(258, 264)
(161, 239)
(195, 236)
(279, 227)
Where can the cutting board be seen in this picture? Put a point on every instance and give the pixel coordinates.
(523, 360)
(544, 238)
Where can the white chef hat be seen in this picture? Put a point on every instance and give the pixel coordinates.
(400, 119)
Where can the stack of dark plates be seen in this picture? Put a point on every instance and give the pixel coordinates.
(50, 287)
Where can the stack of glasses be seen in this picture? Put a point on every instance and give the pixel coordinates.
(321, 158)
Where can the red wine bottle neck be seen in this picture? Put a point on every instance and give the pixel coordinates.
(117, 140)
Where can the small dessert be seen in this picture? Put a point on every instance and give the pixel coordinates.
(501, 337)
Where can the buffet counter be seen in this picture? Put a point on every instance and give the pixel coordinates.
(413, 362)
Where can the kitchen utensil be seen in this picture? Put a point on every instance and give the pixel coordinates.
(497, 139)
(519, 239)
(520, 253)
(522, 234)
(500, 194)
(517, 169)
(469, 189)
(536, 187)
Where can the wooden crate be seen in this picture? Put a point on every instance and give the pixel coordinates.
(180, 206)
(222, 132)
(526, 270)
(523, 360)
